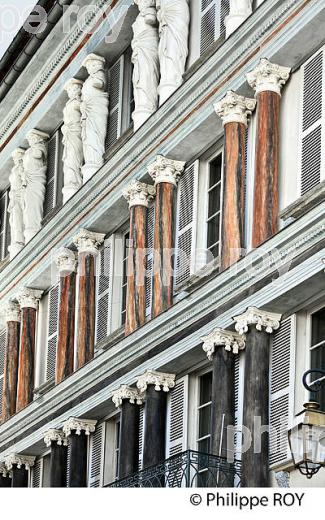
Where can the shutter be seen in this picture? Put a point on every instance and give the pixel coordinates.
(52, 173)
(282, 389)
(37, 474)
(68, 462)
(3, 337)
(312, 166)
(52, 334)
(96, 458)
(213, 14)
(177, 417)
(239, 402)
(141, 436)
(115, 102)
(150, 257)
(4, 225)
(187, 195)
(104, 291)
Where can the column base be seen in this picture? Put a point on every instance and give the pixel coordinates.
(233, 21)
(14, 249)
(166, 90)
(89, 170)
(140, 116)
(68, 192)
(30, 233)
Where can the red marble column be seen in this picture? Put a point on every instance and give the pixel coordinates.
(66, 263)
(87, 243)
(10, 380)
(267, 80)
(166, 173)
(138, 195)
(28, 300)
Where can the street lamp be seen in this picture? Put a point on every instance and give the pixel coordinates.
(307, 437)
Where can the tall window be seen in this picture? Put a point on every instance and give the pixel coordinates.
(4, 225)
(204, 426)
(318, 350)
(125, 275)
(214, 206)
(54, 177)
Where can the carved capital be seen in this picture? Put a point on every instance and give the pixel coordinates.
(11, 312)
(93, 58)
(29, 298)
(268, 77)
(66, 260)
(19, 460)
(261, 319)
(139, 194)
(166, 170)
(79, 425)
(158, 379)
(3, 470)
(88, 241)
(55, 436)
(234, 108)
(231, 341)
(127, 393)
(35, 136)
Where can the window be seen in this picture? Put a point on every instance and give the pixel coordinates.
(117, 447)
(4, 225)
(317, 351)
(125, 276)
(213, 14)
(54, 179)
(204, 424)
(214, 206)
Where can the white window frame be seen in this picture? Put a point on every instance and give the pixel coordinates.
(309, 340)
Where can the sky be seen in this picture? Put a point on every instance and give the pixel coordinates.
(13, 14)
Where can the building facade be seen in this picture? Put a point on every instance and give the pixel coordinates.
(162, 242)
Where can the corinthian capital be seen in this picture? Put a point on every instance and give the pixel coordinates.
(19, 460)
(231, 341)
(29, 298)
(11, 312)
(79, 425)
(55, 436)
(3, 470)
(234, 108)
(65, 260)
(261, 319)
(268, 77)
(88, 241)
(158, 379)
(139, 194)
(127, 393)
(166, 170)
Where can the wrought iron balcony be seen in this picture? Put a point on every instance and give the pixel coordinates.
(186, 470)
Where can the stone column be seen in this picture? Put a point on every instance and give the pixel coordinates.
(29, 301)
(234, 111)
(57, 441)
(154, 446)
(128, 400)
(138, 195)
(166, 173)
(19, 465)
(87, 243)
(258, 325)
(66, 263)
(5, 478)
(221, 347)
(12, 318)
(78, 431)
(267, 80)
(240, 10)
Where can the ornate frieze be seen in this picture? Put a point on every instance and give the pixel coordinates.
(166, 170)
(239, 11)
(139, 194)
(11, 312)
(19, 460)
(16, 204)
(79, 425)
(88, 241)
(160, 381)
(57, 436)
(29, 298)
(234, 108)
(129, 394)
(261, 319)
(66, 260)
(268, 76)
(231, 341)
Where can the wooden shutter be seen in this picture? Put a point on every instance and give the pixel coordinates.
(3, 336)
(282, 389)
(104, 291)
(177, 418)
(239, 402)
(186, 223)
(52, 334)
(37, 474)
(213, 14)
(96, 458)
(53, 158)
(115, 91)
(150, 257)
(141, 436)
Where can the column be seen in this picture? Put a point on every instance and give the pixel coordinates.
(240, 10)
(128, 399)
(138, 196)
(156, 385)
(166, 173)
(19, 465)
(87, 243)
(234, 111)
(66, 263)
(221, 346)
(29, 301)
(10, 380)
(78, 431)
(57, 441)
(267, 80)
(5, 479)
(258, 326)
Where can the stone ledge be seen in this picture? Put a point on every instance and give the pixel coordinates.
(305, 203)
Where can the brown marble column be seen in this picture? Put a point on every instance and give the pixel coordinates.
(166, 173)
(138, 195)
(234, 111)
(10, 380)
(19, 466)
(66, 263)
(28, 300)
(87, 243)
(267, 80)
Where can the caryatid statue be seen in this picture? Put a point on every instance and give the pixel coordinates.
(174, 21)
(34, 181)
(16, 204)
(238, 12)
(94, 110)
(146, 62)
(73, 155)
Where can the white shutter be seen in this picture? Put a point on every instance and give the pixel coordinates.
(37, 473)
(282, 389)
(177, 418)
(52, 173)
(150, 257)
(186, 220)
(104, 290)
(213, 14)
(115, 91)
(68, 462)
(239, 402)
(141, 436)
(96, 457)
(3, 336)
(312, 126)
(52, 334)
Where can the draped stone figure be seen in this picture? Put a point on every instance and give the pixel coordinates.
(94, 110)
(34, 181)
(73, 156)
(16, 204)
(174, 21)
(146, 62)
(239, 11)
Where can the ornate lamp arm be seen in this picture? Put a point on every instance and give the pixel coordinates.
(316, 386)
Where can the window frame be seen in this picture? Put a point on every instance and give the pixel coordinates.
(310, 347)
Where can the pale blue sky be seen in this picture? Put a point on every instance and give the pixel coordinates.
(13, 14)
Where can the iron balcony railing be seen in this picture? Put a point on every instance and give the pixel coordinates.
(186, 470)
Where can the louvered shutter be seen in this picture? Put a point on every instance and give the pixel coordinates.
(52, 335)
(52, 173)
(37, 474)
(177, 418)
(312, 158)
(282, 389)
(141, 436)
(115, 102)
(96, 458)
(186, 224)
(213, 14)
(68, 462)
(239, 402)
(150, 257)
(3, 336)
(104, 291)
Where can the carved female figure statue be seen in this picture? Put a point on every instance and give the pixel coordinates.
(94, 110)
(34, 180)
(16, 203)
(239, 11)
(174, 20)
(146, 62)
(73, 156)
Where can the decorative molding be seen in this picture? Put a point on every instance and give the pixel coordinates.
(166, 170)
(268, 76)
(88, 241)
(139, 194)
(55, 436)
(231, 341)
(262, 319)
(29, 298)
(283, 479)
(79, 425)
(234, 108)
(11, 312)
(127, 393)
(160, 380)
(19, 460)
(66, 260)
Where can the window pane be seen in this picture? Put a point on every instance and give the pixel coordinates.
(215, 170)
(205, 421)
(318, 327)
(204, 447)
(214, 200)
(213, 231)
(318, 354)
(206, 388)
